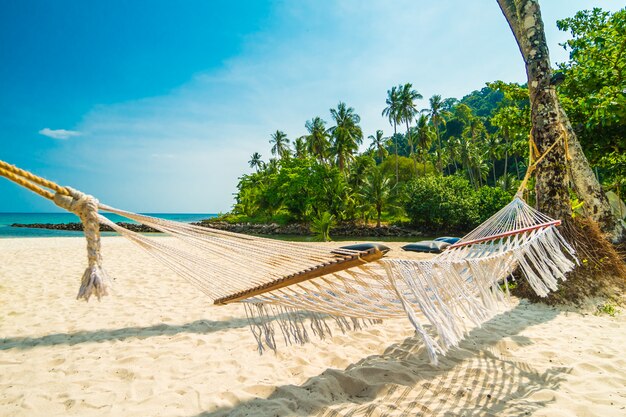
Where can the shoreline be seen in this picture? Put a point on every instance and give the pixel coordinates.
(257, 229)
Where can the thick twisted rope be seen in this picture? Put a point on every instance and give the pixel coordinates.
(94, 281)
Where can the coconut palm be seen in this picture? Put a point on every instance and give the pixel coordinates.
(378, 192)
(280, 144)
(300, 147)
(423, 137)
(379, 144)
(392, 113)
(407, 112)
(346, 135)
(436, 118)
(317, 141)
(256, 162)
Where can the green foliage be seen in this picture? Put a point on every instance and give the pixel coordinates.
(491, 200)
(441, 203)
(593, 93)
(607, 308)
(406, 168)
(322, 226)
(451, 203)
(377, 194)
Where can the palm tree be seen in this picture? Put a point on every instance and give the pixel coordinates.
(280, 144)
(407, 111)
(346, 134)
(423, 137)
(494, 150)
(378, 192)
(255, 161)
(317, 140)
(300, 147)
(378, 144)
(436, 118)
(392, 113)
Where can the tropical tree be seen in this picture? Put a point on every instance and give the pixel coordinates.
(377, 192)
(423, 138)
(392, 113)
(494, 151)
(378, 145)
(256, 162)
(280, 144)
(436, 118)
(317, 140)
(300, 147)
(346, 135)
(407, 111)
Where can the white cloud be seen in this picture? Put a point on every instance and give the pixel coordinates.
(61, 134)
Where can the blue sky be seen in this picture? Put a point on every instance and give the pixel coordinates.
(156, 106)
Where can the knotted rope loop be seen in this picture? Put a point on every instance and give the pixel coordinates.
(94, 281)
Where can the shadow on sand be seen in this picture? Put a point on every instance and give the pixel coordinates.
(198, 327)
(474, 379)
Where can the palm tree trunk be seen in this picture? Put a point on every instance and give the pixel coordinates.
(408, 138)
(395, 140)
(524, 18)
(506, 161)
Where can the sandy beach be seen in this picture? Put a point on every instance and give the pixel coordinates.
(157, 347)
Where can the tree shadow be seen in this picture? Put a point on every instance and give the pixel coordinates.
(94, 336)
(475, 379)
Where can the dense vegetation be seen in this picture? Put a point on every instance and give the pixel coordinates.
(448, 166)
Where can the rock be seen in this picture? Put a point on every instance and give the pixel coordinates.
(78, 227)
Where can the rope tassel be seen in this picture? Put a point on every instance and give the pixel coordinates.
(95, 280)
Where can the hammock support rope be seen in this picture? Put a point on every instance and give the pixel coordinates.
(302, 289)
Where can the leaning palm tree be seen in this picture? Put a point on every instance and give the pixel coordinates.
(436, 118)
(407, 112)
(346, 134)
(256, 162)
(317, 140)
(392, 113)
(379, 144)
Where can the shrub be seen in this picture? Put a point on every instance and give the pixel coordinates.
(491, 200)
(441, 203)
(450, 203)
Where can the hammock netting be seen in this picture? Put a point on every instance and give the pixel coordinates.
(297, 290)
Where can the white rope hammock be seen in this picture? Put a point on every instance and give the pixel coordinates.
(298, 287)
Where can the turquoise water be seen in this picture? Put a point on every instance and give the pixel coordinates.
(6, 219)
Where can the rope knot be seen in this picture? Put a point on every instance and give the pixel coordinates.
(95, 280)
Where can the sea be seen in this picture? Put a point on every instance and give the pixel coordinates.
(7, 219)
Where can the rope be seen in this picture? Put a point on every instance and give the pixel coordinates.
(534, 152)
(94, 280)
(26, 184)
(12, 169)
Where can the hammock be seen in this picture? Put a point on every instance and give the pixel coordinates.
(299, 287)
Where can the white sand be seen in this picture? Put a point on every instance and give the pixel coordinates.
(158, 348)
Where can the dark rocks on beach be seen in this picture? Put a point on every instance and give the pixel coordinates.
(78, 227)
(296, 229)
(299, 229)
